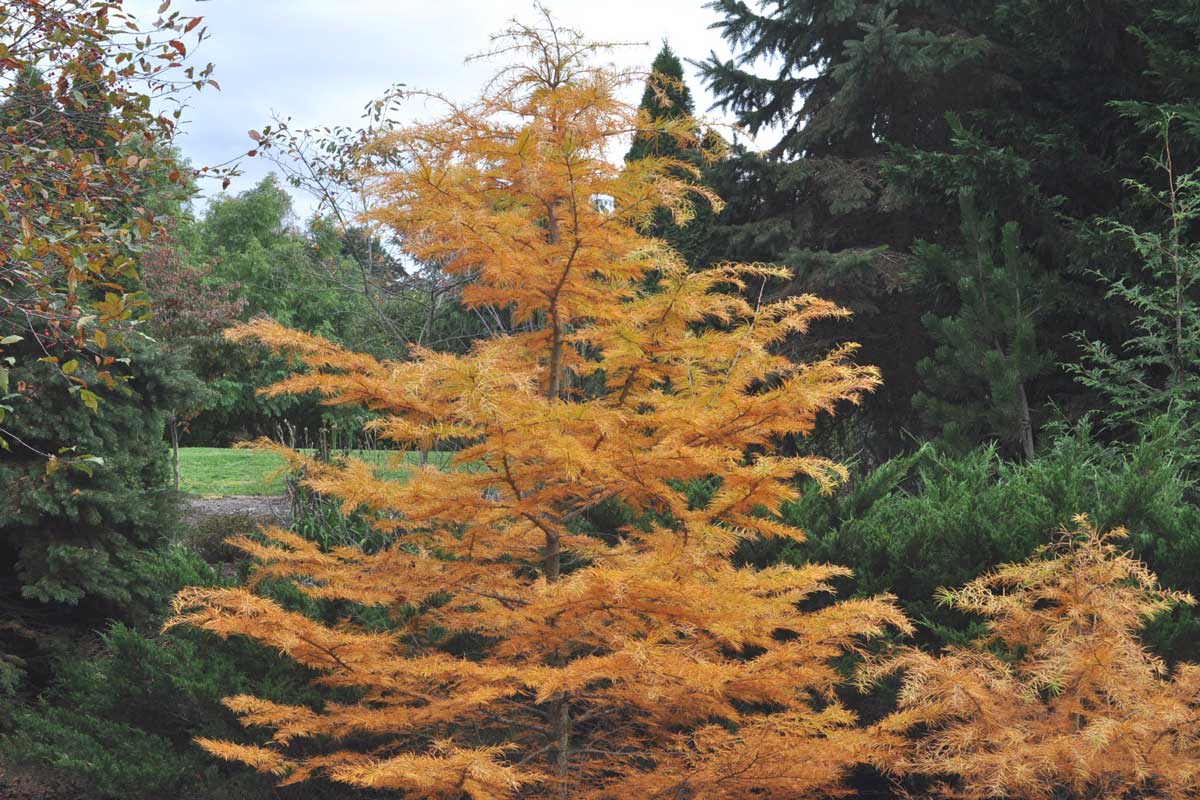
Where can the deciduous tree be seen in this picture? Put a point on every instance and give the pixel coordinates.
(523, 651)
(1060, 699)
(82, 148)
(190, 311)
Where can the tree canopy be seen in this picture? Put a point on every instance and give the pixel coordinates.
(527, 653)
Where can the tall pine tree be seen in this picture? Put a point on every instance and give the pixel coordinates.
(977, 380)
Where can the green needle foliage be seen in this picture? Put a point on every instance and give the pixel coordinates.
(667, 98)
(976, 382)
(933, 519)
(84, 492)
(1157, 370)
(887, 109)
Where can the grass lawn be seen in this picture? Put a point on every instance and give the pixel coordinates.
(223, 471)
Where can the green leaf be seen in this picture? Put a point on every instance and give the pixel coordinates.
(70, 366)
(12, 339)
(91, 400)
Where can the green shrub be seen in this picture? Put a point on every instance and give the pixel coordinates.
(321, 519)
(121, 718)
(928, 520)
(73, 534)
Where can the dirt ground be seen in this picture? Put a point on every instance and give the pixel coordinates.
(210, 521)
(33, 783)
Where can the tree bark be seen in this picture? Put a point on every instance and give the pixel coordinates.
(173, 426)
(562, 740)
(556, 349)
(552, 379)
(560, 711)
(1026, 424)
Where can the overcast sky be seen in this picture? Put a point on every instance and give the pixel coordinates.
(321, 61)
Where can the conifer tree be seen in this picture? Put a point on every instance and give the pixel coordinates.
(1154, 372)
(1073, 705)
(525, 653)
(666, 98)
(987, 349)
(874, 101)
(1170, 32)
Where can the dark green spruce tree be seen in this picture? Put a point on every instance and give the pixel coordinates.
(667, 97)
(843, 84)
(84, 492)
(884, 110)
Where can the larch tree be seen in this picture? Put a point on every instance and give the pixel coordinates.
(1060, 699)
(527, 652)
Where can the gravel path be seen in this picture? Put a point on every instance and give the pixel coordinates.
(268, 508)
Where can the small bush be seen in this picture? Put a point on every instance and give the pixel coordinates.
(119, 714)
(928, 520)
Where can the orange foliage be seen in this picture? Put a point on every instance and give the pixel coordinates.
(1077, 708)
(638, 662)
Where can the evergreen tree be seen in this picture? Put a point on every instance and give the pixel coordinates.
(977, 381)
(887, 109)
(1156, 371)
(1170, 34)
(930, 519)
(666, 99)
(84, 497)
(88, 490)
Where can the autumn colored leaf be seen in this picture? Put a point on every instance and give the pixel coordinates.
(80, 149)
(1059, 699)
(568, 620)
